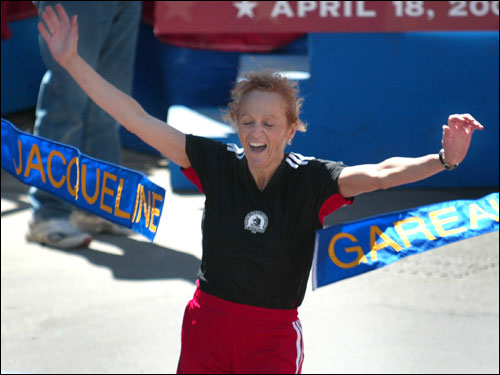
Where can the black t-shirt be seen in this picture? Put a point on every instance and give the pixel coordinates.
(258, 245)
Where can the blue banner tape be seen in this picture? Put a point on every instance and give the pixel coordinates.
(350, 249)
(118, 194)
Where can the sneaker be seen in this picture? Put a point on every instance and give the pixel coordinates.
(57, 233)
(97, 225)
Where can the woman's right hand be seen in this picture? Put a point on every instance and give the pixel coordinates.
(62, 36)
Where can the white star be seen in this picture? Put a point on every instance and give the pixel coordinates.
(245, 8)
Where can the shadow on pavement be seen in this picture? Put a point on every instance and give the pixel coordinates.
(15, 192)
(140, 260)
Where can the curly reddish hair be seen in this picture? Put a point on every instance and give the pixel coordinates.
(267, 81)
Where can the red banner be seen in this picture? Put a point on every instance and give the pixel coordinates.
(323, 16)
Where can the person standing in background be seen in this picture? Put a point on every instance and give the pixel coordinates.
(64, 113)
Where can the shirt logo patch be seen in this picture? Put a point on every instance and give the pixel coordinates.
(256, 222)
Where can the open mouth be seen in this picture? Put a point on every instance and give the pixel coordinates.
(257, 147)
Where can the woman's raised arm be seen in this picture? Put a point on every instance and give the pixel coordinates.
(62, 40)
(399, 171)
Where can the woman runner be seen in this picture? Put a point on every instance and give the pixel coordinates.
(262, 209)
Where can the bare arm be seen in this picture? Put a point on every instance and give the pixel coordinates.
(62, 39)
(399, 171)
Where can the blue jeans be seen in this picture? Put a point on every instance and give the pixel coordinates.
(107, 39)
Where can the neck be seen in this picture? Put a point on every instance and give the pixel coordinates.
(261, 180)
(262, 176)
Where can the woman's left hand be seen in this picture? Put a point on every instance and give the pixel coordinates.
(457, 136)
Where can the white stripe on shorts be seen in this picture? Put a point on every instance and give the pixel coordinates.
(300, 345)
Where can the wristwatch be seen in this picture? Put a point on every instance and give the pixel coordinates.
(445, 164)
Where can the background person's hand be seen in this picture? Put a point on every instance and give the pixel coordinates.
(62, 36)
(457, 136)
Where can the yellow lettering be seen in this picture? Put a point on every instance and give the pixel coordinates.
(56, 184)
(19, 168)
(155, 212)
(475, 217)
(141, 196)
(331, 251)
(494, 204)
(106, 190)
(119, 212)
(90, 200)
(438, 223)
(38, 166)
(147, 209)
(388, 241)
(145, 205)
(72, 191)
(420, 228)
(139, 186)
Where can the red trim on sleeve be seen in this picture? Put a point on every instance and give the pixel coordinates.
(193, 177)
(334, 202)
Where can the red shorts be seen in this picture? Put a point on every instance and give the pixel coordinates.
(219, 336)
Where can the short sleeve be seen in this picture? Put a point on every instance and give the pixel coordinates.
(206, 157)
(329, 197)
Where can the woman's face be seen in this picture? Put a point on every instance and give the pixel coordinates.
(263, 129)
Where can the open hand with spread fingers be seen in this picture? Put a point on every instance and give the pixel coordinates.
(61, 36)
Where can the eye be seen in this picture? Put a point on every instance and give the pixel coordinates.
(247, 122)
(267, 124)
